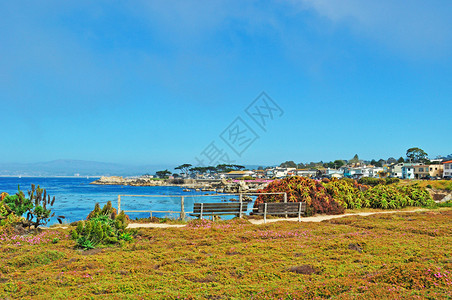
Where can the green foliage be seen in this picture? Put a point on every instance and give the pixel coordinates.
(392, 197)
(17, 204)
(347, 192)
(102, 227)
(288, 164)
(417, 155)
(375, 181)
(163, 174)
(36, 207)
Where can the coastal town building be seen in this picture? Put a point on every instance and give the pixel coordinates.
(421, 171)
(436, 171)
(306, 172)
(238, 174)
(408, 170)
(447, 169)
(396, 170)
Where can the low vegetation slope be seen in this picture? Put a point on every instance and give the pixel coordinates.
(403, 255)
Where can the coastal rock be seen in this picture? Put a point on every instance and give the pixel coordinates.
(110, 180)
(440, 195)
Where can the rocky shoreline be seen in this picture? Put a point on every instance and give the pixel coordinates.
(219, 186)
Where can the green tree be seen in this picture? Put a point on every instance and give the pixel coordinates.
(339, 163)
(380, 163)
(163, 174)
(401, 160)
(416, 155)
(301, 166)
(391, 160)
(355, 159)
(225, 168)
(184, 168)
(288, 164)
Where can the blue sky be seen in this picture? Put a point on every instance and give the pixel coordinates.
(155, 82)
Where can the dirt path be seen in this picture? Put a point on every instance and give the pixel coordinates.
(318, 218)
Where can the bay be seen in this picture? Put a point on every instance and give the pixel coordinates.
(76, 197)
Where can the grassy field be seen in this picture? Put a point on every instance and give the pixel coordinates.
(436, 184)
(387, 256)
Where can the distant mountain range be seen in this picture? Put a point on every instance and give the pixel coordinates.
(68, 167)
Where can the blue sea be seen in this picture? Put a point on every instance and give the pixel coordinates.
(75, 197)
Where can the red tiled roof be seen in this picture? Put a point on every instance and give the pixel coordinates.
(447, 162)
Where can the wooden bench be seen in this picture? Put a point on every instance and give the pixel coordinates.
(281, 208)
(216, 209)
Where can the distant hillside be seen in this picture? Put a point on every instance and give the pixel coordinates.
(67, 167)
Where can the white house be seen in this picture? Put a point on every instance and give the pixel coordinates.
(396, 170)
(238, 174)
(447, 168)
(306, 172)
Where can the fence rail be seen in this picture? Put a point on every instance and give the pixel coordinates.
(182, 212)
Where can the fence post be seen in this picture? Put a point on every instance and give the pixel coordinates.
(241, 203)
(285, 201)
(119, 204)
(182, 208)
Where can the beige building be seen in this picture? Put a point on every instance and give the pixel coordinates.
(436, 170)
(421, 171)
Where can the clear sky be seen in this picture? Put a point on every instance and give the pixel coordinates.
(152, 82)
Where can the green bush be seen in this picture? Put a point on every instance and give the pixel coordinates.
(392, 180)
(376, 181)
(36, 208)
(102, 227)
(391, 197)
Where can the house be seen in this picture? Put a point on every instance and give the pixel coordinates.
(259, 173)
(396, 170)
(238, 174)
(421, 171)
(306, 172)
(270, 173)
(436, 170)
(408, 170)
(353, 172)
(333, 173)
(447, 168)
(283, 172)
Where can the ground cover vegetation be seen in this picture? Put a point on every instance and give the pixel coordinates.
(386, 256)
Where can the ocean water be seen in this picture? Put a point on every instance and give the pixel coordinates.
(75, 197)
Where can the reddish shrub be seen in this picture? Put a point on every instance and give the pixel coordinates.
(301, 189)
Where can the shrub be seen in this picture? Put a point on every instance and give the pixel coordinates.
(35, 207)
(392, 180)
(348, 193)
(102, 227)
(371, 181)
(301, 189)
(390, 196)
(376, 181)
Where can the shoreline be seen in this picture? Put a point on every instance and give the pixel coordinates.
(214, 185)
